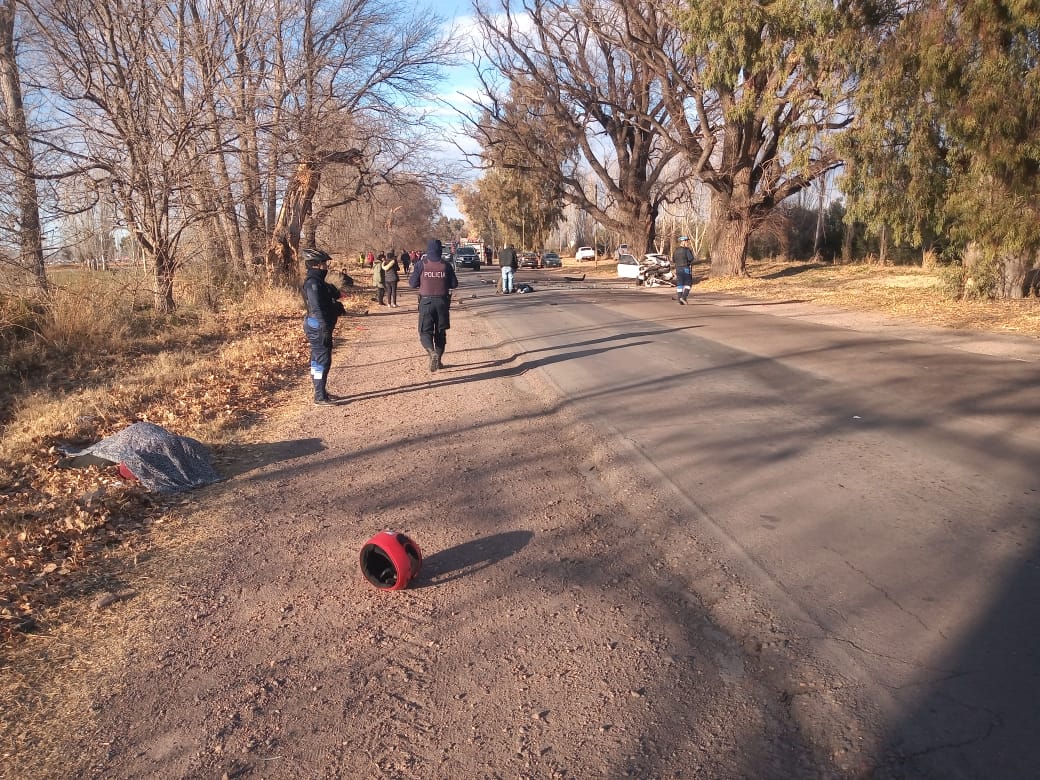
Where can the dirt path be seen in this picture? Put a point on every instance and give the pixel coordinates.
(567, 621)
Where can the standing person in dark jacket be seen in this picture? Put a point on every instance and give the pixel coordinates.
(508, 263)
(323, 309)
(434, 279)
(682, 258)
(391, 275)
(405, 260)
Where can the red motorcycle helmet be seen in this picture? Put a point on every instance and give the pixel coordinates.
(390, 560)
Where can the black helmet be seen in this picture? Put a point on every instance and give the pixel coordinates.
(314, 257)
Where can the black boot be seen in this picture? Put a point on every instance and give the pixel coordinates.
(321, 397)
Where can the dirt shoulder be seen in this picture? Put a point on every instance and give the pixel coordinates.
(566, 623)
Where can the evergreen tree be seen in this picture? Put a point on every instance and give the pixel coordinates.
(947, 147)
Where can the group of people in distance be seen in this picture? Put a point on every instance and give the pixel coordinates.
(433, 278)
(431, 275)
(386, 273)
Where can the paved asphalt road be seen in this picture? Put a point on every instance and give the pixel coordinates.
(878, 484)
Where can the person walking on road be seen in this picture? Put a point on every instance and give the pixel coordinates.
(391, 276)
(682, 259)
(323, 309)
(434, 279)
(507, 262)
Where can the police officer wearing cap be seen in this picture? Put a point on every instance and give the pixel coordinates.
(434, 279)
(682, 259)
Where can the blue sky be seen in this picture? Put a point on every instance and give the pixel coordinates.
(450, 8)
(457, 14)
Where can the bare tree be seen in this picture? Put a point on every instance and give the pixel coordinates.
(363, 61)
(754, 95)
(250, 71)
(121, 67)
(748, 96)
(208, 38)
(16, 154)
(398, 216)
(177, 107)
(583, 92)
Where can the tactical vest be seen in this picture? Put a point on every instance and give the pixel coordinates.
(434, 279)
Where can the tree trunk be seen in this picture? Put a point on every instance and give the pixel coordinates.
(252, 203)
(296, 209)
(164, 266)
(820, 211)
(31, 235)
(254, 225)
(731, 231)
(847, 238)
(1014, 269)
(729, 255)
(641, 217)
(285, 238)
(226, 216)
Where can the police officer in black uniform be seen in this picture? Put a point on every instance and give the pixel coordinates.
(323, 309)
(683, 259)
(434, 279)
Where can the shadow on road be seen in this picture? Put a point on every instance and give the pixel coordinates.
(978, 711)
(233, 460)
(744, 304)
(467, 559)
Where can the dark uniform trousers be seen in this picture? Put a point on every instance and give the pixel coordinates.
(320, 340)
(434, 322)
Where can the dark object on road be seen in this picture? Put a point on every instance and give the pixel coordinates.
(390, 560)
(574, 278)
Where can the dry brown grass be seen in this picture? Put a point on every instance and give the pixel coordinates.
(919, 295)
(94, 361)
(205, 378)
